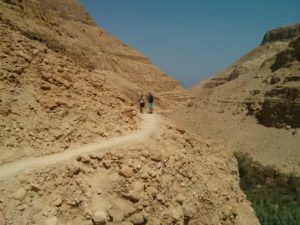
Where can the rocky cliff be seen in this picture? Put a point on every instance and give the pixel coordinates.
(65, 27)
(267, 72)
(246, 103)
(282, 34)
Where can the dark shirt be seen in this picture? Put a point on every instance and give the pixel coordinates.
(150, 98)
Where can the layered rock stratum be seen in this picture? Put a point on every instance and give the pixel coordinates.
(254, 104)
(74, 150)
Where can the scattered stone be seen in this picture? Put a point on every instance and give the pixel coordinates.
(180, 198)
(157, 156)
(20, 194)
(84, 159)
(294, 132)
(50, 104)
(107, 163)
(126, 171)
(188, 210)
(21, 207)
(57, 202)
(35, 187)
(96, 156)
(116, 215)
(45, 87)
(177, 213)
(182, 131)
(137, 218)
(136, 192)
(99, 218)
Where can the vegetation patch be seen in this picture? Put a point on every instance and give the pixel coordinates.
(275, 196)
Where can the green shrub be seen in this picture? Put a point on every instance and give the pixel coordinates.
(275, 196)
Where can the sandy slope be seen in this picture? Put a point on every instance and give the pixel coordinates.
(148, 126)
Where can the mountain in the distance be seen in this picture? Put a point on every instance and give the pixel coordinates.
(254, 104)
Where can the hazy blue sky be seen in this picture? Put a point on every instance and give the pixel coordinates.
(192, 39)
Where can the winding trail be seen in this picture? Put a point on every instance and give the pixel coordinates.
(148, 126)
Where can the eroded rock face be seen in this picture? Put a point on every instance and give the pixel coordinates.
(61, 25)
(288, 56)
(282, 34)
(281, 107)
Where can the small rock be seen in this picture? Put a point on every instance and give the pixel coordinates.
(288, 127)
(294, 132)
(182, 131)
(137, 218)
(20, 194)
(57, 202)
(157, 156)
(21, 207)
(99, 218)
(177, 213)
(136, 192)
(35, 187)
(96, 156)
(107, 163)
(180, 198)
(85, 159)
(116, 215)
(45, 87)
(126, 171)
(188, 210)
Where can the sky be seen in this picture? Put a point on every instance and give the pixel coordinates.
(193, 39)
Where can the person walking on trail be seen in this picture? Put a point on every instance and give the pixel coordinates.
(142, 103)
(150, 99)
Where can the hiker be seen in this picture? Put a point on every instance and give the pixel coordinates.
(142, 103)
(150, 100)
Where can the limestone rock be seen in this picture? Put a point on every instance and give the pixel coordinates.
(136, 192)
(188, 210)
(116, 215)
(126, 171)
(20, 194)
(99, 218)
(137, 218)
(177, 213)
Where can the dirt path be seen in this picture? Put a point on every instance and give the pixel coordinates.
(147, 128)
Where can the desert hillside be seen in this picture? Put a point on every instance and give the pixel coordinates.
(253, 106)
(65, 27)
(73, 148)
